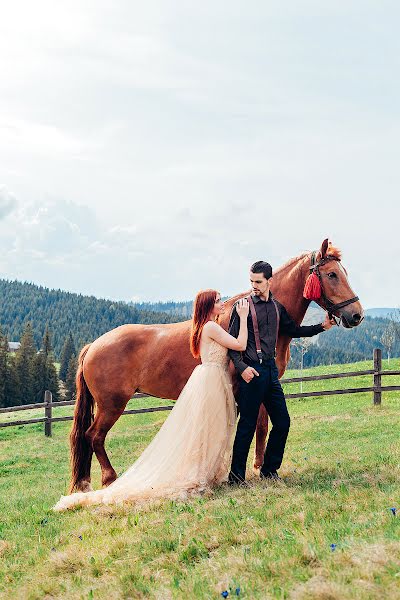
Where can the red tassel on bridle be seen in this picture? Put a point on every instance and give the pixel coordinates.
(312, 289)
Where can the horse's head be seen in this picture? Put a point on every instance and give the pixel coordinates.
(328, 286)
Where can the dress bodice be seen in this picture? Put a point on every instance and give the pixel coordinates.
(214, 353)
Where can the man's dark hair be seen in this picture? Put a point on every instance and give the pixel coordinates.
(262, 267)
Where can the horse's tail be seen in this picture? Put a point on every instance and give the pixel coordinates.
(81, 451)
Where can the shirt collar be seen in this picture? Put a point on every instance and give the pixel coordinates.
(257, 299)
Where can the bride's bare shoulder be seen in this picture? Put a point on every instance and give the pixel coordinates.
(213, 331)
(211, 326)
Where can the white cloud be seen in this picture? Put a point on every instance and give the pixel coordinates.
(193, 140)
(28, 138)
(8, 202)
(61, 244)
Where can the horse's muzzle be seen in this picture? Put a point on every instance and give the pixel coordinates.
(351, 319)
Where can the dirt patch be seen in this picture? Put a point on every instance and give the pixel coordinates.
(65, 562)
(4, 546)
(318, 588)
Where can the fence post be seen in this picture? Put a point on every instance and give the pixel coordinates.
(48, 398)
(377, 376)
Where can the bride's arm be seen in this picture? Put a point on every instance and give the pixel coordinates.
(217, 333)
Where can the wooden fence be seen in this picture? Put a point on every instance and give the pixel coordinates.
(377, 388)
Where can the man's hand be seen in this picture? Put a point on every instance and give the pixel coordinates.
(248, 374)
(328, 323)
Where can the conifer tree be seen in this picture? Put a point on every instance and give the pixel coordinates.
(40, 375)
(25, 367)
(3, 369)
(9, 384)
(46, 344)
(12, 391)
(52, 382)
(70, 385)
(46, 377)
(67, 353)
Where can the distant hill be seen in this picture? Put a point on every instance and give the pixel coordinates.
(338, 345)
(183, 309)
(86, 317)
(382, 313)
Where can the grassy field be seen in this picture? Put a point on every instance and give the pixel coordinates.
(326, 533)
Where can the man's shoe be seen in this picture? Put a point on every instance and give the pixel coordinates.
(239, 484)
(236, 480)
(271, 476)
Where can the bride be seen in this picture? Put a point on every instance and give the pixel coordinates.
(192, 450)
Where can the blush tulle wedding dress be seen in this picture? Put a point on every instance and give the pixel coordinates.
(192, 450)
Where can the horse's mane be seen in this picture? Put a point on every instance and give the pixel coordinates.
(231, 301)
(291, 262)
(334, 251)
(296, 263)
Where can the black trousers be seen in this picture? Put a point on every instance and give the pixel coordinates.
(265, 388)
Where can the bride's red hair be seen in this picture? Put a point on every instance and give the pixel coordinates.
(203, 306)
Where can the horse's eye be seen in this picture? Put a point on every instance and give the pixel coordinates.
(332, 275)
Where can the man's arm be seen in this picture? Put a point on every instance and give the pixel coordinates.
(235, 355)
(288, 327)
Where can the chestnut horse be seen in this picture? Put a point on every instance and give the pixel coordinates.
(156, 360)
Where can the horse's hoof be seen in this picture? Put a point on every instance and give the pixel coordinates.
(109, 480)
(84, 486)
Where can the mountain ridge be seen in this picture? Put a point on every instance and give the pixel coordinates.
(88, 317)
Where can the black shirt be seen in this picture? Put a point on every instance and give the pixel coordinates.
(267, 327)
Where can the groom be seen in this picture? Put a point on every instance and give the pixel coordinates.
(259, 374)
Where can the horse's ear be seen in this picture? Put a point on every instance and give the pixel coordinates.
(323, 249)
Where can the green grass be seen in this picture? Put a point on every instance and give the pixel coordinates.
(341, 472)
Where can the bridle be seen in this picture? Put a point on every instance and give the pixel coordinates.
(330, 306)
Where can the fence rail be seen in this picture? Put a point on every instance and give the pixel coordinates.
(377, 388)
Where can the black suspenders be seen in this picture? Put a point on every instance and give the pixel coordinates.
(255, 327)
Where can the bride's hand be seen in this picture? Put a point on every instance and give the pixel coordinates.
(242, 308)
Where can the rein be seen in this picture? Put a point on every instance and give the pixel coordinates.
(330, 306)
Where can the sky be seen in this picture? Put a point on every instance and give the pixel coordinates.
(151, 149)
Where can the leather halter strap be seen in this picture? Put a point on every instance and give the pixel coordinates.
(330, 306)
